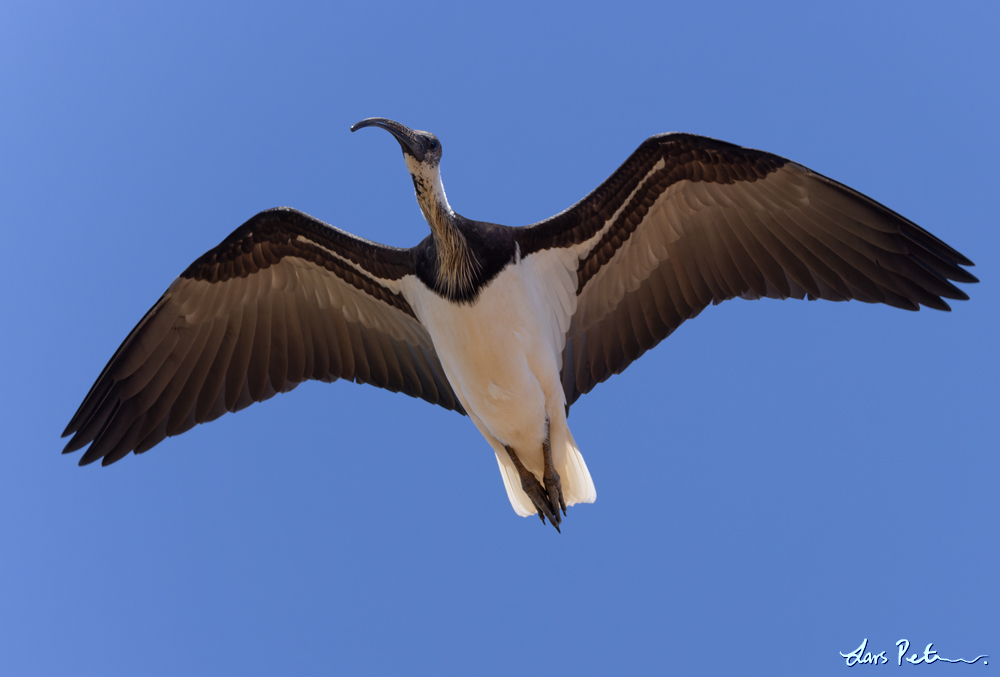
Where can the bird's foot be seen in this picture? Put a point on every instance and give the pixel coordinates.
(546, 499)
(553, 487)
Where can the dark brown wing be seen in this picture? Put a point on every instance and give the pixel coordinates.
(285, 298)
(688, 221)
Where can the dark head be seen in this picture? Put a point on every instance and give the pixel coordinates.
(423, 147)
(422, 154)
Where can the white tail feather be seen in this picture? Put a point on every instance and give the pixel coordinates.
(577, 484)
(512, 483)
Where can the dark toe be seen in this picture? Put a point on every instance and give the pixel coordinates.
(553, 487)
(540, 499)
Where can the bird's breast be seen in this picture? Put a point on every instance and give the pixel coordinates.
(495, 351)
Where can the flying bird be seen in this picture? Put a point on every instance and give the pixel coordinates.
(509, 326)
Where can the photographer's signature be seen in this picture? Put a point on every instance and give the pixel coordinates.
(861, 656)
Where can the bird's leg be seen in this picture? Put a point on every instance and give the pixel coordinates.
(536, 492)
(553, 487)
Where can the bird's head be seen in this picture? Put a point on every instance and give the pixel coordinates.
(421, 147)
(422, 154)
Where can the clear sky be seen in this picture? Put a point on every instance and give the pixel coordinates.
(776, 482)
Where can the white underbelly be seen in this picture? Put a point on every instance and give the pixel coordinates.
(499, 356)
(503, 355)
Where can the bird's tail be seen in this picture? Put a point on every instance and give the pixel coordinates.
(577, 484)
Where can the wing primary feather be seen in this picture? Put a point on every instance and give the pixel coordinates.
(115, 425)
(154, 437)
(430, 390)
(307, 329)
(569, 368)
(941, 252)
(867, 225)
(850, 200)
(362, 372)
(627, 330)
(94, 423)
(655, 324)
(245, 399)
(95, 398)
(614, 355)
(679, 309)
(588, 357)
(139, 380)
(160, 396)
(142, 341)
(661, 280)
(785, 249)
(278, 353)
(728, 270)
(700, 250)
(751, 274)
(212, 389)
(935, 261)
(832, 261)
(260, 358)
(322, 334)
(685, 280)
(128, 442)
(865, 273)
(769, 265)
(342, 351)
(239, 366)
(294, 335)
(194, 387)
(128, 406)
(378, 371)
(394, 371)
(641, 306)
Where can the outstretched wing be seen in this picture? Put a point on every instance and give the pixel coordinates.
(688, 221)
(285, 298)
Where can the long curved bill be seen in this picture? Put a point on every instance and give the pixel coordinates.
(406, 137)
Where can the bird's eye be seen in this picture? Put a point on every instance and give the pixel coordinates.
(433, 144)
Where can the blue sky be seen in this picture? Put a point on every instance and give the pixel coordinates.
(776, 482)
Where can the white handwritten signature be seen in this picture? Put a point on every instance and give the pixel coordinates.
(861, 656)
